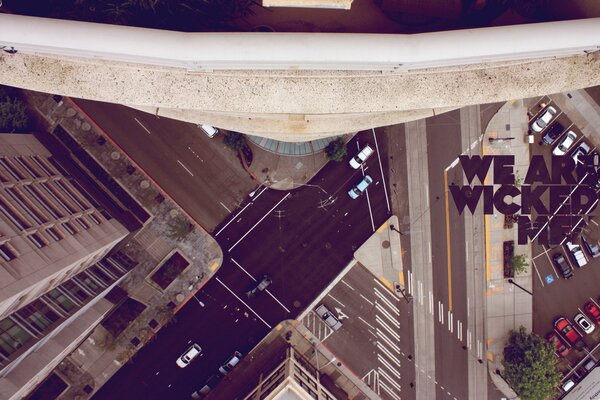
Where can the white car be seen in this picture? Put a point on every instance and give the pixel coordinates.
(327, 316)
(361, 157)
(543, 120)
(210, 131)
(231, 363)
(580, 152)
(584, 323)
(565, 144)
(188, 356)
(568, 385)
(577, 253)
(360, 187)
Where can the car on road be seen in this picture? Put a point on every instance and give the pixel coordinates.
(584, 323)
(565, 144)
(210, 131)
(560, 347)
(592, 310)
(360, 187)
(592, 248)
(361, 157)
(564, 327)
(562, 265)
(327, 316)
(544, 119)
(187, 357)
(230, 363)
(553, 132)
(577, 254)
(580, 152)
(261, 286)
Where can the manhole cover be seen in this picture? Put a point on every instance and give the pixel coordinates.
(385, 244)
(328, 245)
(86, 126)
(115, 155)
(180, 297)
(144, 184)
(71, 112)
(173, 213)
(297, 304)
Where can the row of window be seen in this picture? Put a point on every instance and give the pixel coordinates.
(38, 318)
(35, 166)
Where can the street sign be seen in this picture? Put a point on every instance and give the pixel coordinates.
(549, 279)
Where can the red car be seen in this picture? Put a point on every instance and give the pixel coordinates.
(559, 346)
(564, 327)
(593, 311)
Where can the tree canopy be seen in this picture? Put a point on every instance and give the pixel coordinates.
(336, 150)
(13, 115)
(530, 365)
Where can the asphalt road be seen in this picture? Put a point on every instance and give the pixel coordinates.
(206, 178)
(301, 239)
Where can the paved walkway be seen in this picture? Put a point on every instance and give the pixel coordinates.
(507, 307)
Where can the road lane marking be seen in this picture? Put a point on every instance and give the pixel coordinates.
(366, 323)
(440, 311)
(388, 391)
(232, 219)
(388, 366)
(382, 322)
(420, 292)
(389, 378)
(244, 303)
(370, 213)
(142, 125)
(393, 308)
(345, 283)
(390, 331)
(385, 351)
(450, 322)
(365, 299)
(259, 193)
(448, 252)
(430, 303)
(410, 282)
(186, 168)
(386, 339)
(225, 207)
(259, 221)
(278, 302)
(459, 330)
(387, 315)
(336, 300)
(387, 200)
(468, 338)
(386, 289)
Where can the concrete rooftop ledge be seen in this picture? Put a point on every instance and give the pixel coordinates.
(296, 106)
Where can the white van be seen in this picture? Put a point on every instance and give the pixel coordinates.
(210, 131)
(361, 157)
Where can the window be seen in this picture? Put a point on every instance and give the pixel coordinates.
(71, 194)
(55, 195)
(7, 253)
(15, 218)
(37, 240)
(82, 223)
(54, 234)
(38, 315)
(75, 291)
(69, 228)
(40, 162)
(12, 337)
(28, 167)
(36, 194)
(95, 219)
(18, 175)
(26, 205)
(58, 298)
(87, 282)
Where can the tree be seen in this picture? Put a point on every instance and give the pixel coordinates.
(13, 115)
(179, 228)
(519, 264)
(234, 140)
(336, 150)
(530, 365)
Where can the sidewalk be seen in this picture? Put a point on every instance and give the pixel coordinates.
(507, 307)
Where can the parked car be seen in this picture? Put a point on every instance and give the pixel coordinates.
(360, 187)
(592, 248)
(589, 365)
(568, 385)
(231, 363)
(580, 152)
(562, 265)
(361, 157)
(565, 144)
(593, 311)
(210, 131)
(577, 254)
(560, 347)
(544, 119)
(210, 384)
(187, 357)
(261, 286)
(553, 132)
(327, 316)
(584, 323)
(564, 327)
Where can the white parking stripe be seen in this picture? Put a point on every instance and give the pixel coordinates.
(244, 303)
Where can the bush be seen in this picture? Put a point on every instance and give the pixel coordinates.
(234, 140)
(530, 365)
(519, 264)
(336, 150)
(13, 115)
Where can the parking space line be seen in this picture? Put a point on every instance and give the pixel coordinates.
(387, 200)
(244, 303)
(345, 283)
(259, 221)
(186, 168)
(336, 300)
(538, 273)
(232, 219)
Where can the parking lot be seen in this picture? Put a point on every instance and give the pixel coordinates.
(374, 340)
(555, 296)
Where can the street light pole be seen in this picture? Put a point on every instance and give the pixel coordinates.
(519, 286)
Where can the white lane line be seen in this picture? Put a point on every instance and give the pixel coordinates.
(264, 189)
(439, 311)
(468, 338)
(242, 268)
(459, 333)
(386, 291)
(389, 378)
(479, 349)
(186, 168)
(382, 322)
(450, 321)
(429, 252)
(336, 300)
(387, 302)
(389, 391)
(278, 302)
(224, 206)
(244, 303)
(387, 200)
(430, 302)
(388, 366)
(259, 221)
(370, 212)
(142, 125)
(388, 330)
(388, 341)
(345, 283)
(420, 292)
(232, 219)
(442, 314)
(410, 282)
(365, 299)
(366, 323)
(387, 315)
(389, 355)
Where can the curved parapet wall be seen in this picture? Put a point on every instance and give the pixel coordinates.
(265, 92)
(298, 51)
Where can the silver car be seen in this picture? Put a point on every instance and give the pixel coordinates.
(327, 316)
(543, 120)
(360, 187)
